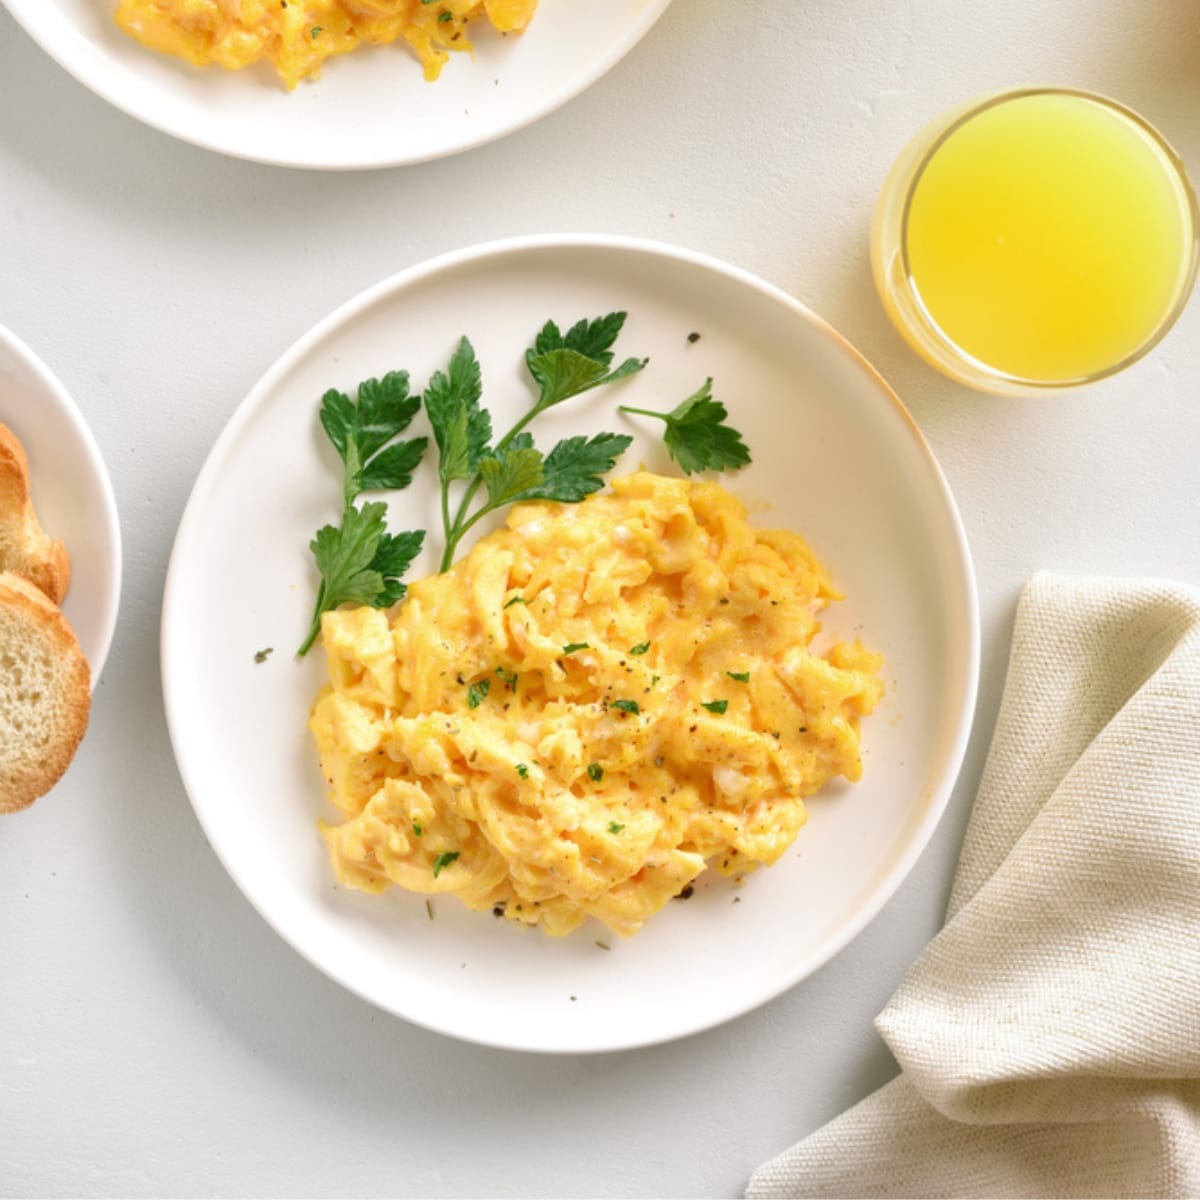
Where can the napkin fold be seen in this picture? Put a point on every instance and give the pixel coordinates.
(1049, 1035)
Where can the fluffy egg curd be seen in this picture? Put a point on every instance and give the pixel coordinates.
(598, 702)
(299, 35)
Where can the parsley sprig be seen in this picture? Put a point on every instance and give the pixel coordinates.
(562, 366)
(360, 562)
(697, 437)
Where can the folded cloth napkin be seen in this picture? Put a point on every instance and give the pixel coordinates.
(1049, 1036)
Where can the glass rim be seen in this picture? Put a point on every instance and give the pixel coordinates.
(1190, 209)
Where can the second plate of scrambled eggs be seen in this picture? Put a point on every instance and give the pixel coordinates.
(217, 74)
(837, 463)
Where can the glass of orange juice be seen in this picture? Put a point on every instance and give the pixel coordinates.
(1035, 239)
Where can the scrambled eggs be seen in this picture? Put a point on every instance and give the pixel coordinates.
(598, 702)
(299, 35)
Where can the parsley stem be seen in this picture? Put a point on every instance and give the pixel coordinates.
(456, 530)
(312, 637)
(645, 412)
(452, 539)
(314, 629)
(446, 522)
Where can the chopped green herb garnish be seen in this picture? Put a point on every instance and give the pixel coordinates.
(522, 770)
(261, 656)
(629, 706)
(640, 648)
(654, 679)
(515, 600)
(444, 860)
(508, 678)
(595, 772)
(740, 676)
(317, 31)
(477, 693)
(445, 16)
(716, 706)
(697, 437)
(572, 647)
(615, 827)
(418, 830)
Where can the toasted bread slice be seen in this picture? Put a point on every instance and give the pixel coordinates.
(25, 549)
(45, 693)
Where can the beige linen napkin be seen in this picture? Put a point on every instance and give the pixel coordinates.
(1049, 1036)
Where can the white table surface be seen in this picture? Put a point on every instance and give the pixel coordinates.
(156, 1037)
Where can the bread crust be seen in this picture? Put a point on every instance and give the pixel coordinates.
(25, 548)
(45, 693)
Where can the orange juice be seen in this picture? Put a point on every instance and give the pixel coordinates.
(1044, 238)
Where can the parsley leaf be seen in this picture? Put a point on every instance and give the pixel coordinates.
(393, 467)
(573, 470)
(571, 647)
(615, 827)
(576, 467)
(514, 474)
(627, 706)
(595, 772)
(715, 706)
(360, 563)
(563, 374)
(595, 339)
(740, 676)
(477, 693)
(461, 428)
(697, 437)
(360, 429)
(640, 649)
(565, 365)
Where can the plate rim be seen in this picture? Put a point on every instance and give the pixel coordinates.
(108, 501)
(77, 59)
(939, 797)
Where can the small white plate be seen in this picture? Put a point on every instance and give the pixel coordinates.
(71, 492)
(371, 108)
(836, 457)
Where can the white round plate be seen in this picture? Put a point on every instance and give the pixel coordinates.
(836, 457)
(371, 108)
(71, 492)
